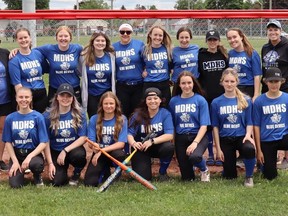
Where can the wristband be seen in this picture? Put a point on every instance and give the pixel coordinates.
(65, 151)
(195, 142)
(152, 141)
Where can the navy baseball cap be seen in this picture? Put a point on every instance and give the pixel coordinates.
(152, 92)
(273, 73)
(212, 34)
(275, 23)
(65, 88)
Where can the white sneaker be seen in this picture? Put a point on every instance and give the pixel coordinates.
(283, 165)
(205, 176)
(248, 182)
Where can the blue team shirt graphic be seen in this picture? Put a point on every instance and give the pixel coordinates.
(66, 134)
(189, 114)
(185, 59)
(157, 65)
(63, 64)
(25, 130)
(230, 121)
(129, 63)
(107, 131)
(100, 75)
(4, 94)
(271, 116)
(247, 67)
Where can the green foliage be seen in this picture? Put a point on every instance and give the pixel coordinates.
(17, 4)
(224, 4)
(93, 4)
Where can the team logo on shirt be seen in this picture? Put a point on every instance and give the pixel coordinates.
(99, 74)
(270, 59)
(23, 134)
(65, 133)
(65, 65)
(185, 117)
(187, 60)
(276, 118)
(159, 64)
(125, 60)
(33, 72)
(232, 118)
(237, 68)
(106, 139)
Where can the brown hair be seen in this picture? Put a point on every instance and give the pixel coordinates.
(25, 30)
(66, 28)
(183, 29)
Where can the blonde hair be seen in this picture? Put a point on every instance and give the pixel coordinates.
(167, 42)
(66, 28)
(241, 101)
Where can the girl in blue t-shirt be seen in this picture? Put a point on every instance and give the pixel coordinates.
(231, 118)
(190, 115)
(271, 122)
(246, 61)
(25, 138)
(108, 129)
(27, 69)
(97, 70)
(150, 115)
(67, 127)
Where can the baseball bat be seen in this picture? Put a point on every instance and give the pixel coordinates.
(127, 169)
(114, 175)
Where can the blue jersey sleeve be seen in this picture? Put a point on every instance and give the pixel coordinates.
(92, 128)
(124, 131)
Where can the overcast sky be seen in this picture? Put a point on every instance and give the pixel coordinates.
(129, 4)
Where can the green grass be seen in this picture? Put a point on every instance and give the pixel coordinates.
(219, 197)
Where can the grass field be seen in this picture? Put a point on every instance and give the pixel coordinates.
(125, 198)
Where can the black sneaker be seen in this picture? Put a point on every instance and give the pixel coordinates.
(3, 167)
(74, 179)
(38, 181)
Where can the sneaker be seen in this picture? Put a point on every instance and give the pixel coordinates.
(218, 162)
(163, 178)
(27, 171)
(283, 165)
(248, 182)
(38, 181)
(205, 176)
(210, 161)
(240, 164)
(3, 166)
(74, 179)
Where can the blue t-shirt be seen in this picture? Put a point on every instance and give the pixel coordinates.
(4, 92)
(189, 114)
(27, 70)
(157, 65)
(271, 116)
(230, 121)
(247, 66)
(185, 59)
(62, 64)
(66, 134)
(107, 131)
(129, 63)
(161, 122)
(100, 75)
(25, 130)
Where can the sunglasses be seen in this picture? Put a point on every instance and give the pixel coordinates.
(127, 32)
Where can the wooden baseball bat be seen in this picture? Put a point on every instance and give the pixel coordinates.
(114, 175)
(131, 172)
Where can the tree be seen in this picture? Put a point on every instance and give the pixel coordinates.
(17, 4)
(153, 7)
(140, 7)
(92, 4)
(189, 4)
(122, 7)
(224, 4)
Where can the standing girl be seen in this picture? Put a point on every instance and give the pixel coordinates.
(108, 128)
(27, 69)
(150, 115)
(98, 71)
(25, 137)
(231, 117)
(157, 56)
(190, 114)
(212, 61)
(66, 125)
(129, 69)
(246, 61)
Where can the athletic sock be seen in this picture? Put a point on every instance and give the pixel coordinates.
(249, 166)
(164, 164)
(210, 144)
(201, 165)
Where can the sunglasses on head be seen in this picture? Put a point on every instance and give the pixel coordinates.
(123, 32)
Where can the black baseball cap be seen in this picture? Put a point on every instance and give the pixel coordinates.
(65, 88)
(273, 73)
(212, 34)
(152, 92)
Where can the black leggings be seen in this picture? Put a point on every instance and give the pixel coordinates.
(229, 146)
(269, 150)
(182, 141)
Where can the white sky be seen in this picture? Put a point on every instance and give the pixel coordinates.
(129, 4)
